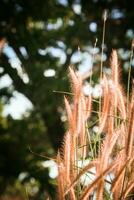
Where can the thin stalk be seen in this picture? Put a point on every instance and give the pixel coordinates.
(129, 73)
(62, 92)
(93, 58)
(123, 184)
(76, 163)
(103, 41)
(89, 142)
(102, 52)
(39, 155)
(27, 196)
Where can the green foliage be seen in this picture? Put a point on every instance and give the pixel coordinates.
(42, 27)
(21, 151)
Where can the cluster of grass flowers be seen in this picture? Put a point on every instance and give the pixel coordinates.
(98, 164)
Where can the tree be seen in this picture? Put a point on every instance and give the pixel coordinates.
(45, 36)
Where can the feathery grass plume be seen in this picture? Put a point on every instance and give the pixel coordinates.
(120, 101)
(71, 122)
(76, 87)
(115, 68)
(122, 179)
(60, 178)
(76, 82)
(115, 78)
(64, 176)
(84, 112)
(104, 159)
(67, 156)
(110, 140)
(129, 73)
(117, 183)
(71, 137)
(106, 105)
(68, 164)
(76, 127)
(117, 90)
(110, 121)
(81, 126)
(114, 154)
(79, 113)
(130, 135)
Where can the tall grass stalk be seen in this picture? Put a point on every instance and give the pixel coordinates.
(129, 72)
(92, 167)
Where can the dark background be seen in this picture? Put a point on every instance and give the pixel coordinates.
(42, 27)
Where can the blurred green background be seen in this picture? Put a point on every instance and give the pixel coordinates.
(38, 41)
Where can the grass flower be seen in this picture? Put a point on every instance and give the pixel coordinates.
(104, 158)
